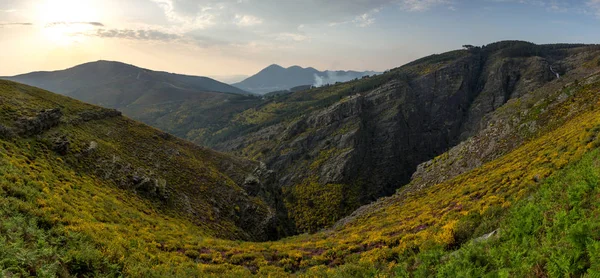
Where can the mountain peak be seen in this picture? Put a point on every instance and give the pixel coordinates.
(276, 78)
(274, 66)
(90, 82)
(105, 64)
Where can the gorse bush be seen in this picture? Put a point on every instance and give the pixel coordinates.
(32, 242)
(553, 232)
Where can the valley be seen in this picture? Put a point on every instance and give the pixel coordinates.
(480, 161)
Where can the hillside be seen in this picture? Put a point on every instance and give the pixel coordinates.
(529, 209)
(171, 102)
(226, 196)
(117, 85)
(276, 78)
(336, 148)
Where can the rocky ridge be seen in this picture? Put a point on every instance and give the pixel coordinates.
(372, 141)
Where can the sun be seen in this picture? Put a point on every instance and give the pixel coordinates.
(65, 22)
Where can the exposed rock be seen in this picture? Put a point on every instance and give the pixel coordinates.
(6, 132)
(93, 115)
(61, 145)
(252, 185)
(376, 138)
(150, 187)
(165, 135)
(294, 129)
(91, 147)
(500, 132)
(43, 121)
(487, 236)
(275, 223)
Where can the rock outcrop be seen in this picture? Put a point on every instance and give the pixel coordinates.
(6, 132)
(501, 131)
(91, 115)
(61, 145)
(43, 121)
(374, 139)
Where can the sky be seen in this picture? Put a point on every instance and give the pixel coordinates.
(230, 39)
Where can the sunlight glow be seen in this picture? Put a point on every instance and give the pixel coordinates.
(68, 11)
(66, 21)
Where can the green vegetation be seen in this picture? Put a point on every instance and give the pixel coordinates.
(554, 233)
(58, 222)
(178, 177)
(313, 205)
(256, 133)
(129, 200)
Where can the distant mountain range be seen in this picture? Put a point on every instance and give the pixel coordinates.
(182, 105)
(277, 78)
(118, 85)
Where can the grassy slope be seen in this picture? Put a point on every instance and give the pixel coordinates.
(48, 215)
(555, 232)
(90, 192)
(126, 148)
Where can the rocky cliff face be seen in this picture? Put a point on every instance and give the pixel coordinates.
(524, 116)
(368, 143)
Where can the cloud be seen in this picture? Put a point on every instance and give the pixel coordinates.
(283, 16)
(296, 37)
(95, 24)
(247, 20)
(421, 5)
(190, 15)
(595, 6)
(15, 24)
(366, 19)
(195, 39)
(332, 77)
(144, 35)
(549, 5)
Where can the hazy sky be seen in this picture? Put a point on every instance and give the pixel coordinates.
(240, 37)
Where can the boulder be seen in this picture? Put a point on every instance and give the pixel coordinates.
(43, 121)
(6, 132)
(94, 115)
(61, 145)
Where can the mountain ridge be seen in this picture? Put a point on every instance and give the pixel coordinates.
(529, 208)
(90, 81)
(348, 138)
(277, 78)
(176, 176)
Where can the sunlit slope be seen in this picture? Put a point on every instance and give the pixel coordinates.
(335, 148)
(218, 192)
(64, 214)
(397, 234)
